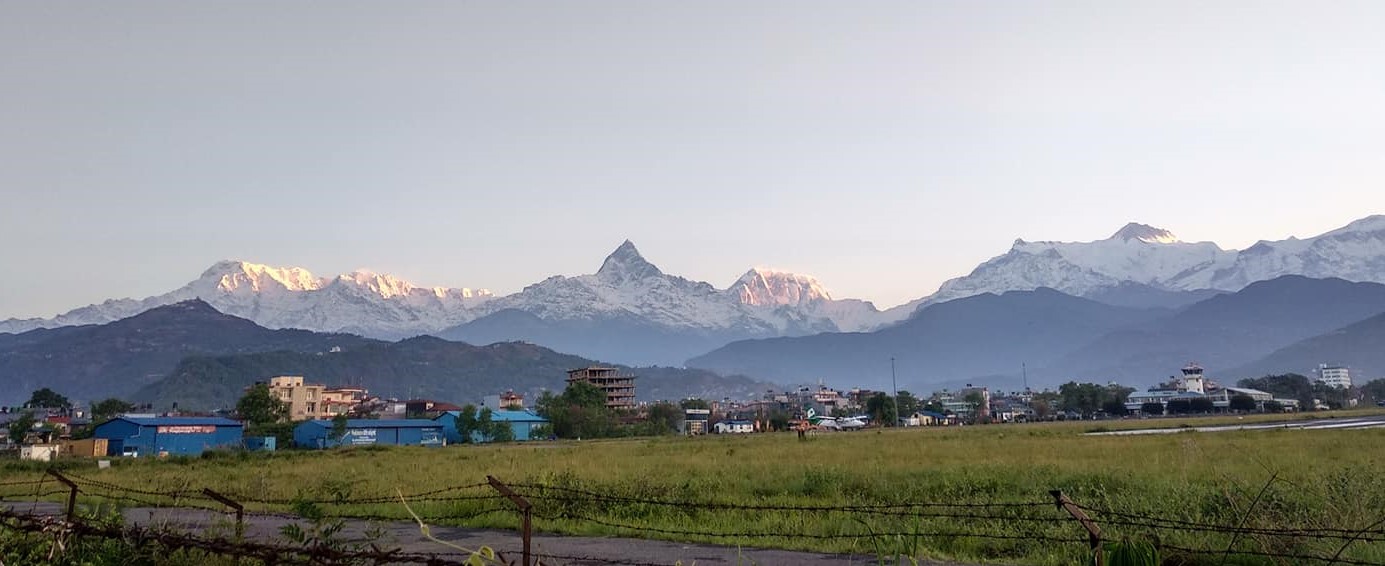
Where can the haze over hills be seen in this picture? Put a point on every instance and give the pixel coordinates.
(1060, 337)
(191, 354)
(1227, 330)
(974, 336)
(1360, 346)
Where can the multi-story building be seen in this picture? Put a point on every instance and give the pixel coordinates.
(619, 388)
(1334, 376)
(341, 400)
(304, 400)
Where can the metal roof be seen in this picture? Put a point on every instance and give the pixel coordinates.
(179, 421)
(508, 416)
(379, 423)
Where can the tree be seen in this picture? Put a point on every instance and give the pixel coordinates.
(48, 399)
(339, 424)
(778, 420)
(694, 404)
(908, 403)
(881, 409)
(1201, 405)
(1242, 403)
(664, 418)
(1273, 406)
(1285, 386)
(579, 412)
(1152, 408)
(20, 427)
(258, 407)
(1374, 390)
(1115, 407)
(974, 400)
(109, 409)
(1179, 407)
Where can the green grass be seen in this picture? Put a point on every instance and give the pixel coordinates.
(1321, 479)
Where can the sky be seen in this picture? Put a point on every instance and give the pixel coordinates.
(882, 147)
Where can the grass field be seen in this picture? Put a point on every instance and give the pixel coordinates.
(1277, 479)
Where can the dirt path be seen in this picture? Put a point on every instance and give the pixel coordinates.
(551, 549)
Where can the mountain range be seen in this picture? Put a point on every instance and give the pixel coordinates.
(631, 311)
(191, 354)
(1050, 337)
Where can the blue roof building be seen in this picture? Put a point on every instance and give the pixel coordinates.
(162, 436)
(368, 432)
(522, 423)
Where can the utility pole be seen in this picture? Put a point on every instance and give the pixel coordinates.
(895, 385)
(1025, 368)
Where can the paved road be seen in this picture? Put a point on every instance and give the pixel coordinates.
(552, 549)
(1316, 424)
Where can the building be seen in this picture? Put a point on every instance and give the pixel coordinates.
(304, 400)
(365, 432)
(85, 448)
(507, 400)
(522, 424)
(695, 421)
(39, 452)
(163, 436)
(342, 400)
(619, 388)
(1334, 376)
(734, 427)
(428, 408)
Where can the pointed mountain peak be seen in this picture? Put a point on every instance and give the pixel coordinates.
(1144, 233)
(627, 264)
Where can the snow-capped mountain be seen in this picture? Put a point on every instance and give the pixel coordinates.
(1139, 255)
(630, 310)
(762, 303)
(769, 302)
(360, 302)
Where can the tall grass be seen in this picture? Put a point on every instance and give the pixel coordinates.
(1321, 479)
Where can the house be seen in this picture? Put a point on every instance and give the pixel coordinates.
(162, 436)
(734, 427)
(364, 432)
(428, 408)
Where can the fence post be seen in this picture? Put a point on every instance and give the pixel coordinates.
(71, 498)
(240, 510)
(1093, 531)
(524, 508)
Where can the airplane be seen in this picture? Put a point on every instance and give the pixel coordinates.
(834, 423)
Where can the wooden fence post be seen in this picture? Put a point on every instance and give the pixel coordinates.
(71, 498)
(1093, 531)
(525, 509)
(240, 510)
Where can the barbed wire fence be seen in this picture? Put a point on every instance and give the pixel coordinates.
(912, 527)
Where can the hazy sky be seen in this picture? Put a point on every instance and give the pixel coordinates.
(880, 146)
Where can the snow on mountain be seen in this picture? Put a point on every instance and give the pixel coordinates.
(1153, 257)
(292, 297)
(762, 301)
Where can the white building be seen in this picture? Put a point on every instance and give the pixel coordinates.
(1334, 376)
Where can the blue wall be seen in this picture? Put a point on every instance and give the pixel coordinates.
(522, 423)
(362, 432)
(180, 436)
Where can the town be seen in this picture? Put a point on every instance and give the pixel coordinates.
(291, 412)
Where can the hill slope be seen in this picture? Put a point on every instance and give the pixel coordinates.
(423, 367)
(1360, 346)
(1227, 330)
(975, 336)
(115, 359)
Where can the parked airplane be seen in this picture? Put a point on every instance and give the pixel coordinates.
(835, 423)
